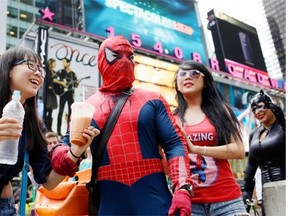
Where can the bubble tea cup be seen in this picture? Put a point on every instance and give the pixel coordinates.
(81, 117)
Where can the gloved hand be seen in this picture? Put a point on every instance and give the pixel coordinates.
(181, 203)
(246, 196)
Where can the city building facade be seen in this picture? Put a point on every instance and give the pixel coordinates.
(275, 13)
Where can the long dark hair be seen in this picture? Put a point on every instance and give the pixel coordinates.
(32, 125)
(213, 105)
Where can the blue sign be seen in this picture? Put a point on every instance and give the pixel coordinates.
(163, 27)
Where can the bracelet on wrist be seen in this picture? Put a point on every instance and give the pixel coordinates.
(74, 154)
(205, 150)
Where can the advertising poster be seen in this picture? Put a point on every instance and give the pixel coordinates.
(235, 41)
(72, 75)
(164, 28)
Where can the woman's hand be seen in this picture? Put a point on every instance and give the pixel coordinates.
(90, 133)
(65, 160)
(9, 129)
(191, 147)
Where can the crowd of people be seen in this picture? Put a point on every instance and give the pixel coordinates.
(197, 139)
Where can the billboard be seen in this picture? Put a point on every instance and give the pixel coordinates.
(236, 43)
(78, 82)
(164, 28)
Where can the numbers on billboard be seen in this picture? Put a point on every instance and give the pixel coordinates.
(136, 41)
(178, 53)
(110, 31)
(158, 47)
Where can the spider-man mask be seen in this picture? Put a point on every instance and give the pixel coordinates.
(116, 64)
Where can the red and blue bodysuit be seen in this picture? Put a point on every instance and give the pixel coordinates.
(131, 177)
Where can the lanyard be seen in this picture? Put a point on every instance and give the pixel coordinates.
(24, 182)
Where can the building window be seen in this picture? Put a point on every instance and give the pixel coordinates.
(28, 2)
(40, 4)
(9, 46)
(12, 31)
(26, 16)
(12, 12)
(21, 32)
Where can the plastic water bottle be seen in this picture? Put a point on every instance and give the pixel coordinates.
(9, 148)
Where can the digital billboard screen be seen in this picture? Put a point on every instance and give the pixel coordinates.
(163, 27)
(235, 41)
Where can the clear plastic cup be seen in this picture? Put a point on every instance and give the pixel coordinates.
(81, 117)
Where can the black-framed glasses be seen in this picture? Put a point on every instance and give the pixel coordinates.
(256, 109)
(31, 65)
(194, 74)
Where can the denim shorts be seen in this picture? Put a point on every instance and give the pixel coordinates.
(228, 208)
(7, 207)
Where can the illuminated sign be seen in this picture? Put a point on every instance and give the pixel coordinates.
(47, 14)
(165, 28)
(235, 41)
(238, 51)
(42, 45)
(248, 74)
(153, 27)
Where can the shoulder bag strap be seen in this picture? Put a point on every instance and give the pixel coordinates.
(105, 135)
(24, 183)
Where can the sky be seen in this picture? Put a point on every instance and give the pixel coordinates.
(246, 10)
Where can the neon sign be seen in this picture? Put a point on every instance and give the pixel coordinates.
(164, 28)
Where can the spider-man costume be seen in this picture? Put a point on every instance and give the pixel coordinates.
(131, 177)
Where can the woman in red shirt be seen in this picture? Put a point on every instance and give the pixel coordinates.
(213, 134)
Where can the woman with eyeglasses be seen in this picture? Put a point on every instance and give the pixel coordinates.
(213, 136)
(267, 145)
(20, 69)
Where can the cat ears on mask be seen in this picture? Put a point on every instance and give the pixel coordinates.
(261, 97)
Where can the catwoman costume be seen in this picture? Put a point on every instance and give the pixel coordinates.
(268, 154)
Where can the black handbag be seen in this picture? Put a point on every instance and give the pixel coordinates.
(92, 186)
